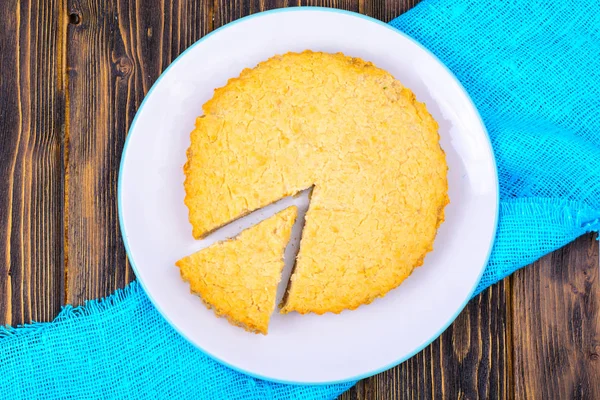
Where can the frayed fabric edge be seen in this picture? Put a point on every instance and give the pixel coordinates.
(69, 313)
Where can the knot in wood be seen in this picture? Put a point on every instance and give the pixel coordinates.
(124, 66)
(75, 18)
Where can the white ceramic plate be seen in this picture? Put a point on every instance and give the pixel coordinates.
(309, 348)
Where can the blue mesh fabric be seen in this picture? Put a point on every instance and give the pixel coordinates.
(532, 68)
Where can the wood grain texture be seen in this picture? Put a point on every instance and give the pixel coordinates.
(116, 51)
(386, 10)
(230, 10)
(31, 126)
(556, 319)
(350, 5)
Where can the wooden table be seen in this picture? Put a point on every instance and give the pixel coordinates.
(72, 75)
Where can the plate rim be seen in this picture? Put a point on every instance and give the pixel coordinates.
(124, 236)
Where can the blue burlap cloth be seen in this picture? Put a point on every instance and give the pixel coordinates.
(533, 69)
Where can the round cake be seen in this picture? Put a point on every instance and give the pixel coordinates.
(353, 133)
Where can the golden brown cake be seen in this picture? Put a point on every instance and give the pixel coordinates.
(238, 278)
(358, 136)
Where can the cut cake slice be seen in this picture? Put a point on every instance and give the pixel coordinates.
(238, 278)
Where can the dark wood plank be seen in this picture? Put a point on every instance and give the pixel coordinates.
(386, 10)
(31, 125)
(556, 318)
(116, 51)
(350, 5)
(230, 10)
